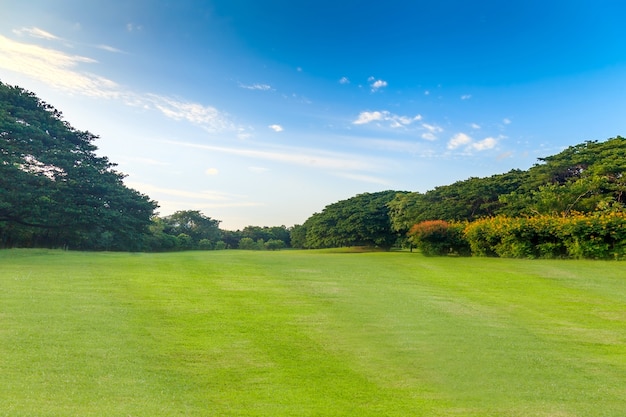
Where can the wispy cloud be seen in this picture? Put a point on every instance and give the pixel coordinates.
(393, 120)
(196, 195)
(344, 80)
(207, 117)
(276, 128)
(109, 48)
(65, 72)
(310, 158)
(55, 68)
(466, 96)
(36, 33)
(431, 131)
(256, 86)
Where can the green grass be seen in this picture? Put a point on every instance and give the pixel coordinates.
(309, 333)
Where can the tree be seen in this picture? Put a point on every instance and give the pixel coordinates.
(297, 236)
(462, 201)
(54, 189)
(193, 224)
(362, 220)
(274, 244)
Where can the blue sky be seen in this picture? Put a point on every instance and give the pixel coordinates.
(263, 112)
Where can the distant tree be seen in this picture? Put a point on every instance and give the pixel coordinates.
(297, 236)
(194, 224)
(266, 233)
(231, 238)
(54, 189)
(362, 220)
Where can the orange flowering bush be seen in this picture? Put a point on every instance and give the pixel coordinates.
(438, 237)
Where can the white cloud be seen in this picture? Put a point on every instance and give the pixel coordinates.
(36, 33)
(487, 143)
(376, 85)
(462, 139)
(367, 117)
(64, 72)
(55, 68)
(297, 156)
(207, 117)
(344, 80)
(197, 195)
(506, 121)
(394, 120)
(466, 96)
(212, 171)
(110, 49)
(475, 126)
(459, 139)
(276, 128)
(432, 131)
(432, 128)
(256, 86)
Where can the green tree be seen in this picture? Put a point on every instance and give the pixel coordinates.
(54, 189)
(193, 224)
(362, 220)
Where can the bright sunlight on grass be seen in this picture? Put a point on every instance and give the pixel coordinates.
(309, 333)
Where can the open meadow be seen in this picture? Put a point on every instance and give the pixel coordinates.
(309, 333)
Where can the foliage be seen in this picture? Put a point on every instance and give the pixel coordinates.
(54, 190)
(195, 226)
(596, 236)
(581, 178)
(274, 244)
(297, 236)
(438, 237)
(462, 201)
(362, 220)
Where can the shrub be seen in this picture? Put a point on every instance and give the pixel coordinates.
(205, 244)
(438, 237)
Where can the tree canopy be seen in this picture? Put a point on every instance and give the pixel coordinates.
(54, 189)
(362, 220)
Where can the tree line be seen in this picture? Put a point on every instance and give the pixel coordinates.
(56, 192)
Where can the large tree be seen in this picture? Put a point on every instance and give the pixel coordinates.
(362, 220)
(464, 200)
(54, 189)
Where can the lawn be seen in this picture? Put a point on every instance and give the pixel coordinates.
(309, 333)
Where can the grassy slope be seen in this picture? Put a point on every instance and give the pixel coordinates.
(309, 333)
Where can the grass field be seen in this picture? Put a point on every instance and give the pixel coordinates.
(309, 333)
